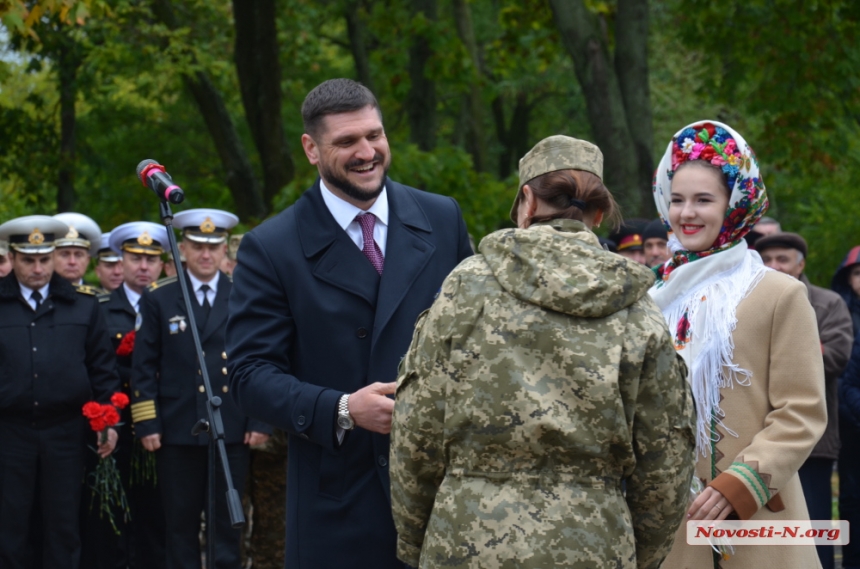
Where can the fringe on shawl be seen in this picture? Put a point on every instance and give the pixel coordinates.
(711, 310)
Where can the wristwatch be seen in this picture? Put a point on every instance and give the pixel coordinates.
(344, 421)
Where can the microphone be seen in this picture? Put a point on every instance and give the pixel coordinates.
(152, 175)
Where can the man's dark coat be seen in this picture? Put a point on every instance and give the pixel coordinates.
(310, 320)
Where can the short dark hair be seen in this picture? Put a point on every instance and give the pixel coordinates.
(332, 97)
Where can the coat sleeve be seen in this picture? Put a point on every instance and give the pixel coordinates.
(146, 359)
(837, 336)
(663, 435)
(101, 358)
(260, 333)
(417, 457)
(798, 414)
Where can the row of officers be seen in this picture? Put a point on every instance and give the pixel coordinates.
(64, 343)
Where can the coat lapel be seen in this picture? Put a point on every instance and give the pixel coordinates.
(334, 257)
(407, 252)
(218, 314)
(119, 302)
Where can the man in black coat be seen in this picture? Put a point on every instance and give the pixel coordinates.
(323, 306)
(54, 357)
(168, 396)
(140, 544)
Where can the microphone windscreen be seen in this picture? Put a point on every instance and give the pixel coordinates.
(142, 165)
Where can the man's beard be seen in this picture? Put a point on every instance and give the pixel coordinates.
(343, 184)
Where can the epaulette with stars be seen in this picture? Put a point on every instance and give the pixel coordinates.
(88, 289)
(161, 282)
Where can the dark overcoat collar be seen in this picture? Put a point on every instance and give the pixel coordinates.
(337, 261)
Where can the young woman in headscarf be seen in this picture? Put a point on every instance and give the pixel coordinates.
(750, 341)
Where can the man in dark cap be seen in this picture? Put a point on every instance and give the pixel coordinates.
(55, 356)
(628, 239)
(655, 240)
(786, 253)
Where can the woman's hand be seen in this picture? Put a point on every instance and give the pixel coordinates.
(709, 505)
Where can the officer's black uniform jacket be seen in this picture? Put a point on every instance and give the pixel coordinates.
(54, 360)
(167, 385)
(120, 318)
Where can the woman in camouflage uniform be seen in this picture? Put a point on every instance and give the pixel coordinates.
(750, 340)
(541, 378)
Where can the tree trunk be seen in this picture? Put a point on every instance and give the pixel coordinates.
(247, 196)
(581, 35)
(421, 101)
(514, 137)
(356, 31)
(259, 73)
(631, 66)
(68, 62)
(475, 137)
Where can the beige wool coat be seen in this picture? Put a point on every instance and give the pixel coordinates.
(778, 418)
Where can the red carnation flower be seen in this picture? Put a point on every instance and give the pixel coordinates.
(710, 128)
(126, 345)
(92, 410)
(708, 153)
(111, 416)
(119, 400)
(98, 424)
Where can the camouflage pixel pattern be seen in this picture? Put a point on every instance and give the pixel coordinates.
(542, 376)
(555, 153)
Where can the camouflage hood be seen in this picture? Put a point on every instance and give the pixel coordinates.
(560, 266)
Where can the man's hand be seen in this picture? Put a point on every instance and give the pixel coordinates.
(255, 439)
(709, 505)
(151, 442)
(105, 448)
(371, 409)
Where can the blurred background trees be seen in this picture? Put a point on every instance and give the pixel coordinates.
(213, 89)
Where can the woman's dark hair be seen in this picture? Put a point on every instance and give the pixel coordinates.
(705, 164)
(562, 189)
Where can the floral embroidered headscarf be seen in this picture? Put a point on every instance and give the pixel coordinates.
(720, 145)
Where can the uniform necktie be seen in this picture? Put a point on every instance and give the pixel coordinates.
(371, 250)
(204, 288)
(37, 298)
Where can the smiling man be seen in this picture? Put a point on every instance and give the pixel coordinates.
(74, 249)
(322, 309)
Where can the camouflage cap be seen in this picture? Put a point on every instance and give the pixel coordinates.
(555, 153)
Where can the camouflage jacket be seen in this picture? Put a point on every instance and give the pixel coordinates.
(541, 378)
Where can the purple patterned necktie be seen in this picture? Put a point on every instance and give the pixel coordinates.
(371, 250)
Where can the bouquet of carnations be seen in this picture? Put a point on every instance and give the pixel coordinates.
(105, 481)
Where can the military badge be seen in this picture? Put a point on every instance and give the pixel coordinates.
(207, 226)
(73, 233)
(36, 237)
(144, 239)
(177, 324)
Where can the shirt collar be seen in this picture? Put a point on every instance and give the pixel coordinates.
(132, 296)
(26, 292)
(344, 212)
(197, 283)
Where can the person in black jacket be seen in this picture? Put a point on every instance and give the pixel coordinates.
(168, 396)
(325, 299)
(138, 247)
(54, 357)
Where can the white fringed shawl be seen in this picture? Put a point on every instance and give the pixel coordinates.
(709, 290)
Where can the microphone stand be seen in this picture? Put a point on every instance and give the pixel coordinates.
(212, 423)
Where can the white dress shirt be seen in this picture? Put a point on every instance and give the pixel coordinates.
(213, 288)
(133, 297)
(344, 214)
(27, 293)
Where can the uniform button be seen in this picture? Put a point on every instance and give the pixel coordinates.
(301, 420)
(125, 385)
(136, 393)
(382, 461)
(224, 389)
(223, 355)
(118, 335)
(32, 323)
(34, 348)
(35, 375)
(201, 389)
(224, 370)
(36, 403)
(361, 332)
